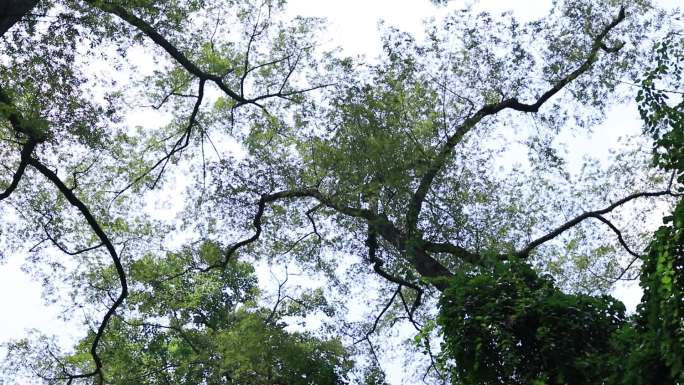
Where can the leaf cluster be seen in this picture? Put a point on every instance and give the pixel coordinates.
(508, 325)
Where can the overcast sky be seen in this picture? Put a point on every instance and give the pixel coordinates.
(353, 26)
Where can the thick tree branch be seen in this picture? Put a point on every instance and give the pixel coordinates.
(20, 126)
(372, 244)
(423, 262)
(436, 166)
(8, 111)
(457, 251)
(162, 42)
(26, 152)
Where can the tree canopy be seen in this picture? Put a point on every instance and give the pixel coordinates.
(426, 190)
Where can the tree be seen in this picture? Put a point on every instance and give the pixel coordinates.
(204, 335)
(371, 167)
(509, 325)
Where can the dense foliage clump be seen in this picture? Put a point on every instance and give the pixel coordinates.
(508, 325)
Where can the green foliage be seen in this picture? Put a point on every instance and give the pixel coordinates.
(507, 325)
(661, 312)
(194, 327)
(300, 157)
(659, 340)
(663, 116)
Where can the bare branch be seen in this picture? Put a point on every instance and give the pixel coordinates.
(62, 248)
(618, 233)
(279, 299)
(180, 145)
(379, 316)
(525, 252)
(168, 96)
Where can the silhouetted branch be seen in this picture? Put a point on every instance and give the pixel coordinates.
(523, 253)
(415, 206)
(97, 229)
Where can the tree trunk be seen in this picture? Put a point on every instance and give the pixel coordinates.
(11, 11)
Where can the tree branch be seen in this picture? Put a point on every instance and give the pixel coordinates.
(178, 147)
(161, 41)
(377, 319)
(97, 229)
(26, 152)
(618, 233)
(415, 206)
(62, 248)
(457, 251)
(525, 252)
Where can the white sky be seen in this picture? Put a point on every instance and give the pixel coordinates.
(352, 26)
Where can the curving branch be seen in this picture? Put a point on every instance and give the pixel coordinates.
(180, 145)
(8, 111)
(423, 262)
(419, 250)
(379, 316)
(618, 233)
(97, 229)
(426, 338)
(26, 152)
(149, 31)
(372, 244)
(474, 258)
(20, 126)
(415, 206)
(166, 45)
(525, 252)
(294, 194)
(63, 248)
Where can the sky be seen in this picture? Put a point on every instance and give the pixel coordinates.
(353, 25)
